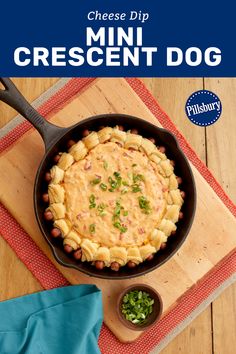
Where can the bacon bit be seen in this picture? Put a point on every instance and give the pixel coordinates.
(84, 227)
(98, 176)
(129, 221)
(165, 189)
(82, 215)
(121, 236)
(141, 230)
(87, 165)
(111, 202)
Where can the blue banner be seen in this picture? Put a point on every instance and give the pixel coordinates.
(118, 38)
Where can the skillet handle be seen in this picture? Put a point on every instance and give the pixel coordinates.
(12, 96)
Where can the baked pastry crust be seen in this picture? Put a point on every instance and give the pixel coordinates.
(125, 223)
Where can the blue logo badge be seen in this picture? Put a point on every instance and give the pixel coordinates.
(203, 108)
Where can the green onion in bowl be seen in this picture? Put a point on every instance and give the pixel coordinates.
(137, 306)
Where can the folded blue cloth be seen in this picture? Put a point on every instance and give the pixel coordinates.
(59, 321)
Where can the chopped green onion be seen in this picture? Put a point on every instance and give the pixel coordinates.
(135, 321)
(118, 179)
(101, 208)
(92, 201)
(136, 188)
(118, 209)
(144, 204)
(125, 183)
(134, 165)
(92, 198)
(116, 217)
(138, 178)
(118, 225)
(105, 165)
(125, 213)
(92, 228)
(95, 181)
(114, 183)
(137, 306)
(103, 186)
(116, 174)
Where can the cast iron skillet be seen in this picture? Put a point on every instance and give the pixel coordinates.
(55, 139)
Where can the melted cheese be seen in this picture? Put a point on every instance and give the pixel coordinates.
(78, 189)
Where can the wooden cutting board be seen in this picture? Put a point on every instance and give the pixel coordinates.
(212, 236)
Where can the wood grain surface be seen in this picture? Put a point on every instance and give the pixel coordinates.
(214, 330)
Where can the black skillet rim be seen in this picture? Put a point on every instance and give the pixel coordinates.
(91, 271)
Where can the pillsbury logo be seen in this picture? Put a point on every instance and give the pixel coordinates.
(203, 108)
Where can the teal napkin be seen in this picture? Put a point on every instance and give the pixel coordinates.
(59, 321)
